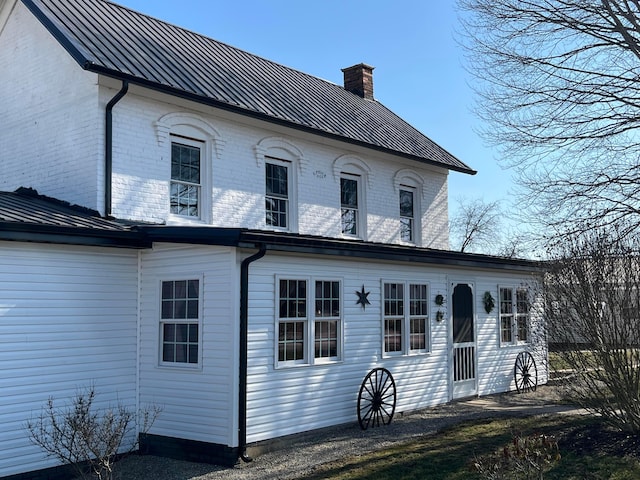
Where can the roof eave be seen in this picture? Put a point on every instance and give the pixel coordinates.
(293, 243)
(203, 99)
(25, 232)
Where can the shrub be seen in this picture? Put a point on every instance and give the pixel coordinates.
(526, 458)
(86, 438)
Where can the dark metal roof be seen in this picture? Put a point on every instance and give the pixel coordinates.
(314, 245)
(27, 216)
(115, 41)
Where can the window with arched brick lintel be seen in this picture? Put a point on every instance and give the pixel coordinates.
(409, 186)
(190, 143)
(278, 158)
(354, 175)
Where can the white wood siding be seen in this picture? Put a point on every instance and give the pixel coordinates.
(199, 403)
(67, 321)
(293, 399)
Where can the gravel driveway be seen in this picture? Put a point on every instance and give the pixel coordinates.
(295, 459)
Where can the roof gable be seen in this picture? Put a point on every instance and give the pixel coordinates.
(112, 40)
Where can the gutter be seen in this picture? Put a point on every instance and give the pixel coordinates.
(244, 349)
(108, 147)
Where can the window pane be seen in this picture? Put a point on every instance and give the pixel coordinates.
(185, 163)
(406, 203)
(181, 332)
(349, 193)
(180, 309)
(326, 340)
(168, 353)
(169, 332)
(193, 332)
(349, 219)
(193, 289)
(418, 334)
(276, 180)
(393, 335)
(327, 299)
(193, 353)
(290, 341)
(167, 290)
(181, 352)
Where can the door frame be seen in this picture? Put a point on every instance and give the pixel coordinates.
(467, 388)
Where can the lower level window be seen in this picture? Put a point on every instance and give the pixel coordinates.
(179, 321)
(406, 318)
(514, 315)
(309, 321)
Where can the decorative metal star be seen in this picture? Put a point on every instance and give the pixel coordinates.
(362, 298)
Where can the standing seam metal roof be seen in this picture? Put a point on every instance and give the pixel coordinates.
(112, 40)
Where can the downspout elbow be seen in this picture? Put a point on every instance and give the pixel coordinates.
(244, 349)
(108, 147)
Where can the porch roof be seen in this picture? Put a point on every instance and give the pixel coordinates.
(27, 216)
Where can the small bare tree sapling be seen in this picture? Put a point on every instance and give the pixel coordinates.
(86, 437)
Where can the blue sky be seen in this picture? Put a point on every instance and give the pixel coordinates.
(418, 72)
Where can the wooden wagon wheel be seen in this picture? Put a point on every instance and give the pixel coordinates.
(377, 399)
(525, 373)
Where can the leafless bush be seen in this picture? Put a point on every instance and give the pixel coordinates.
(85, 437)
(527, 458)
(592, 294)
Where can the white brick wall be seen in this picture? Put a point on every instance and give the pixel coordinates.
(50, 122)
(234, 177)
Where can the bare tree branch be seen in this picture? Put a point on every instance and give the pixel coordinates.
(558, 89)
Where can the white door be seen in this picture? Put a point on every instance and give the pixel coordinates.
(463, 355)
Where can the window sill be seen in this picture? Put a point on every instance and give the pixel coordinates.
(181, 367)
(287, 366)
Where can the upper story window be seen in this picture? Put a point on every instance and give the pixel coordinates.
(514, 314)
(350, 205)
(190, 145)
(406, 318)
(186, 187)
(179, 321)
(309, 321)
(407, 215)
(410, 188)
(277, 202)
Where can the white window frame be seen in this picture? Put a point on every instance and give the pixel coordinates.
(516, 317)
(405, 318)
(309, 323)
(289, 200)
(414, 219)
(360, 212)
(204, 202)
(180, 321)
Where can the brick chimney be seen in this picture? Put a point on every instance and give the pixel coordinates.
(359, 80)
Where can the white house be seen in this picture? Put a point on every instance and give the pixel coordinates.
(186, 224)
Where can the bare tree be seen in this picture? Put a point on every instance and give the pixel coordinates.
(592, 294)
(475, 227)
(559, 93)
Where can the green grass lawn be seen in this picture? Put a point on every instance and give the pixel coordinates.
(450, 453)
